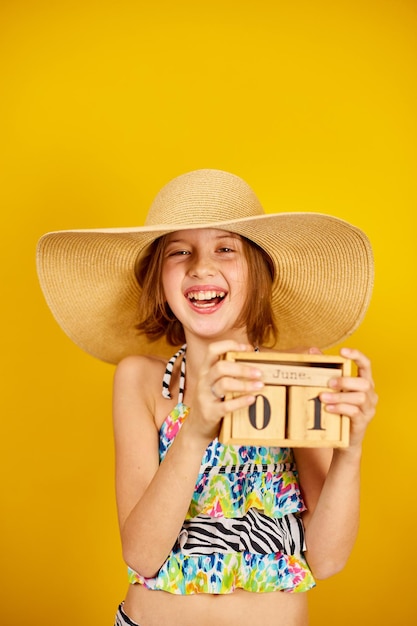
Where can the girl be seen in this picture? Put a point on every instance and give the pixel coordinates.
(213, 533)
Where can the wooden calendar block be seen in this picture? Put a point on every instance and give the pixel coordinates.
(288, 411)
(309, 421)
(259, 423)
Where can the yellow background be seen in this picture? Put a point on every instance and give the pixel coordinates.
(101, 103)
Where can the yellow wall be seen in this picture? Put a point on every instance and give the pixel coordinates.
(101, 103)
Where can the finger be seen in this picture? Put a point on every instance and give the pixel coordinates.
(236, 386)
(235, 369)
(362, 362)
(304, 350)
(350, 383)
(218, 348)
(353, 411)
(218, 396)
(235, 403)
(336, 399)
(314, 350)
(350, 404)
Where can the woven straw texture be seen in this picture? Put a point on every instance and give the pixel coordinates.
(324, 267)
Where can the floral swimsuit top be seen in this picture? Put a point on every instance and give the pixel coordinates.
(243, 528)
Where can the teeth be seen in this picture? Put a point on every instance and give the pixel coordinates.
(205, 295)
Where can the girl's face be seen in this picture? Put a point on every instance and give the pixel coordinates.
(204, 277)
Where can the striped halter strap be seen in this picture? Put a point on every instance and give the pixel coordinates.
(166, 381)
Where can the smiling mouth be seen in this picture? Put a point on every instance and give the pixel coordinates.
(206, 298)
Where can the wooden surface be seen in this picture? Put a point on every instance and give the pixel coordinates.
(288, 411)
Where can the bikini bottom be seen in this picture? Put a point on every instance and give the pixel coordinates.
(122, 619)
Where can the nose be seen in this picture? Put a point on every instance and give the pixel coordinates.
(202, 265)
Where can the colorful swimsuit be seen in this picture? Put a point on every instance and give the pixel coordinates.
(242, 528)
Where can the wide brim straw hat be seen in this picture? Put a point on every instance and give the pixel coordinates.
(323, 267)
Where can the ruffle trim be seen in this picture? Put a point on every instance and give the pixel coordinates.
(223, 573)
(272, 489)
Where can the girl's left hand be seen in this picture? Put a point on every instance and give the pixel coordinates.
(354, 397)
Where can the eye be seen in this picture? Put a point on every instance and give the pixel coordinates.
(178, 252)
(228, 245)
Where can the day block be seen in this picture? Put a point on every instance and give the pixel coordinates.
(288, 410)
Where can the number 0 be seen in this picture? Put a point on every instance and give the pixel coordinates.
(253, 413)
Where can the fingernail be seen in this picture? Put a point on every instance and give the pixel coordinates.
(326, 397)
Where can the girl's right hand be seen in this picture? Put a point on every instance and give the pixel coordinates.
(216, 379)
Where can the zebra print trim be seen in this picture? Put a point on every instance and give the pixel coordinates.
(166, 381)
(255, 533)
(250, 468)
(122, 619)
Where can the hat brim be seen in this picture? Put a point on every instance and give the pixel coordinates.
(322, 287)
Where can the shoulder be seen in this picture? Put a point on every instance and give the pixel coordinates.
(137, 383)
(132, 367)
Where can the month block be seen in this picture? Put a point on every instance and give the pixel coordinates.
(288, 410)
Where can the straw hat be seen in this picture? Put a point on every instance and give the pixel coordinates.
(323, 267)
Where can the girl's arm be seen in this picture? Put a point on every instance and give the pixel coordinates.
(152, 498)
(330, 480)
